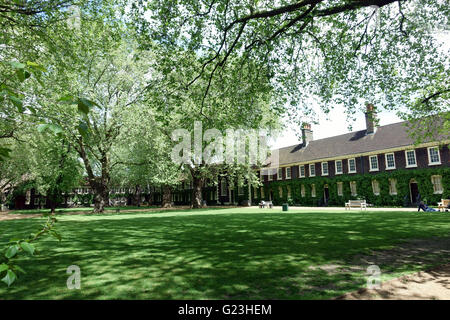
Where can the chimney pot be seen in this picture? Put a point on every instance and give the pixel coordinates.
(307, 134)
(371, 119)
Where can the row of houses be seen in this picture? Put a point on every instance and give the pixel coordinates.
(381, 164)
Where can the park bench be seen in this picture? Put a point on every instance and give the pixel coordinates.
(263, 204)
(443, 204)
(356, 204)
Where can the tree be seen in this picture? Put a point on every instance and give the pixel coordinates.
(336, 52)
(102, 76)
(55, 167)
(238, 99)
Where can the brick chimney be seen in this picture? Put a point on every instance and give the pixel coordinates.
(371, 119)
(307, 134)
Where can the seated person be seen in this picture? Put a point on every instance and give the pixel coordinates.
(262, 204)
(425, 208)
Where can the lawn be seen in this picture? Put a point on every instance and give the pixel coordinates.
(216, 254)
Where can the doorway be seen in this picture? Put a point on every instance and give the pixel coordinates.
(326, 195)
(414, 192)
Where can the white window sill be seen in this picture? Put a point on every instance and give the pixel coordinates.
(393, 168)
(376, 194)
(324, 175)
(434, 164)
(312, 176)
(288, 178)
(412, 166)
(336, 173)
(374, 170)
(438, 192)
(352, 172)
(392, 194)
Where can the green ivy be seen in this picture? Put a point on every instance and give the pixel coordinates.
(363, 188)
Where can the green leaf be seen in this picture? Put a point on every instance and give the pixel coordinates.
(27, 247)
(36, 66)
(9, 278)
(83, 129)
(17, 102)
(68, 100)
(3, 267)
(56, 235)
(17, 65)
(55, 128)
(11, 251)
(19, 269)
(84, 105)
(4, 153)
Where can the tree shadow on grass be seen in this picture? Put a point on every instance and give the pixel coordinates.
(226, 256)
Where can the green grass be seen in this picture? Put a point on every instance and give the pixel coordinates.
(212, 254)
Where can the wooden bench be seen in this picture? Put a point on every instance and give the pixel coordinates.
(263, 204)
(443, 204)
(356, 204)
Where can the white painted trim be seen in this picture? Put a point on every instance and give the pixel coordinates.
(386, 161)
(348, 164)
(429, 158)
(335, 167)
(370, 164)
(312, 165)
(290, 173)
(321, 168)
(300, 171)
(406, 159)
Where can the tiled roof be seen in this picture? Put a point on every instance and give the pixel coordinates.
(386, 137)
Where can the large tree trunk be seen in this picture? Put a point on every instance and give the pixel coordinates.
(167, 197)
(137, 196)
(197, 196)
(2, 201)
(101, 197)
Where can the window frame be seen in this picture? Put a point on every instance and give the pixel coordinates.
(441, 191)
(280, 176)
(313, 188)
(429, 156)
(391, 191)
(335, 167)
(387, 162)
(340, 188)
(300, 171)
(288, 169)
(351, 189)
(348, 163)
(269, 175)
(328, 169)
(313, 165)
(371, 169)
(375, 182)
(406, 159)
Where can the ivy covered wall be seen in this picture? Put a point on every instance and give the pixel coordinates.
(363, 188)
